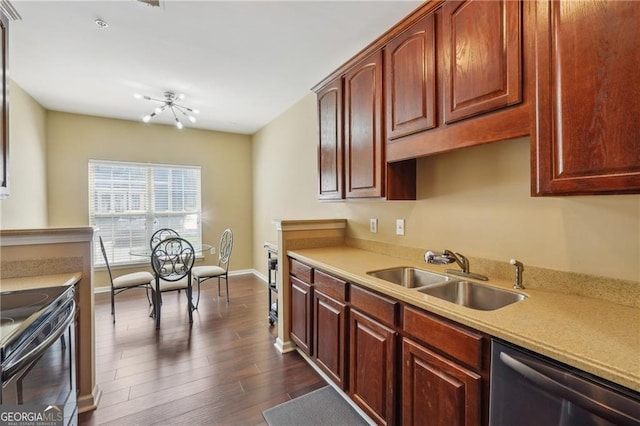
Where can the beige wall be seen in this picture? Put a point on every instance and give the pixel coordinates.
(225, 160)
(26, 206)
(285, 176)
(475, 201)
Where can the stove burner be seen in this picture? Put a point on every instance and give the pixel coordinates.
(21, 300)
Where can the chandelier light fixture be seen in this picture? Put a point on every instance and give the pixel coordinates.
(170, 103)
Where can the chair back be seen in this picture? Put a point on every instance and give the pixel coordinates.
(226, 244)
(162, 234)
(173, 258)
(106, 259)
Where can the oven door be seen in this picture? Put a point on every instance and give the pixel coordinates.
(43, 371)
(529, 390)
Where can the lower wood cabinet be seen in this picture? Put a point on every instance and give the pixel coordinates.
(330, 337)
(445, 371)
(301, 319)
(437, 391)
(399, 363)
(372, 361)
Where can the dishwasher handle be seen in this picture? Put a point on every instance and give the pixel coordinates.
(553, 386)
(11, 369)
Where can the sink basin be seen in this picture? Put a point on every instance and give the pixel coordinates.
(473, 295)
(409, 277)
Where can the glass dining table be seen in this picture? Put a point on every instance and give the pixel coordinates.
(145, 251)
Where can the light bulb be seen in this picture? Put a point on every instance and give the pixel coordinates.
(195, 111)
(137, 95)
(179, 124)
(146, 118)
(192, 119)
(158, 110)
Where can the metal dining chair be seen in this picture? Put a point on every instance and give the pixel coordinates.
(142, 279)
(162, 234)
(221, 270)
(172, 260)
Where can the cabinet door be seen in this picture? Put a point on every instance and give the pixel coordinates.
(586, 133)
(436, 391)
(330, 150)
(372, 367)
(364, 154)
(410, 80)
(330, 323)
(301, 308)
(481, 45)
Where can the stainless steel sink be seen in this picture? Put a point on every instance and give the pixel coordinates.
(409, 277)
(473, 295)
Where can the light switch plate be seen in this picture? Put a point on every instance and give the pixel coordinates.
(399, 226)
(373, 225)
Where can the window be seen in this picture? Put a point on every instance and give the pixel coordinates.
(128, 202)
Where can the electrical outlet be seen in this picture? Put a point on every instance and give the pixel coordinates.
(213, 250)
(373, 225)
(399, 226)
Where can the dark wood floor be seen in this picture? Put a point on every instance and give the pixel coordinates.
(222, 370)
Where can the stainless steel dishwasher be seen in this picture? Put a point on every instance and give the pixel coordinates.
(528, 389)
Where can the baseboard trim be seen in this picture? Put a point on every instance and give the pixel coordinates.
(89, 402)
(284, 347)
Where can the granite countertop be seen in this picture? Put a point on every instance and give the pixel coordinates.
(39, 281)
(599, 337)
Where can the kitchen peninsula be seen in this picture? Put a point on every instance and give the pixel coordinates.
(596, 330)
(35, 258)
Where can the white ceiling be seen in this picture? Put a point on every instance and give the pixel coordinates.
(240, 63)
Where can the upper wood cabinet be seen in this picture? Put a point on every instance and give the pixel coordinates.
(351, 139)
(453, 75)
(4, 107)
(481, 50)
(586, 137)
(410, 80)
(330, 165)
(454, 78)
(364, 143)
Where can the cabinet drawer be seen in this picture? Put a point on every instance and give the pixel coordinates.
(301, 270)
(375, 305)
(331, 286)
(461, 344)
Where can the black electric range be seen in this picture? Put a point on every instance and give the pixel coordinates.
(37, 352)
(24, 312)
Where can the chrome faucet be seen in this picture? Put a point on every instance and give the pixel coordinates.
(462, 261)
(518, 279)
(446, 257)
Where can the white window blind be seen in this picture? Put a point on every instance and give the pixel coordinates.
(128, 202)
